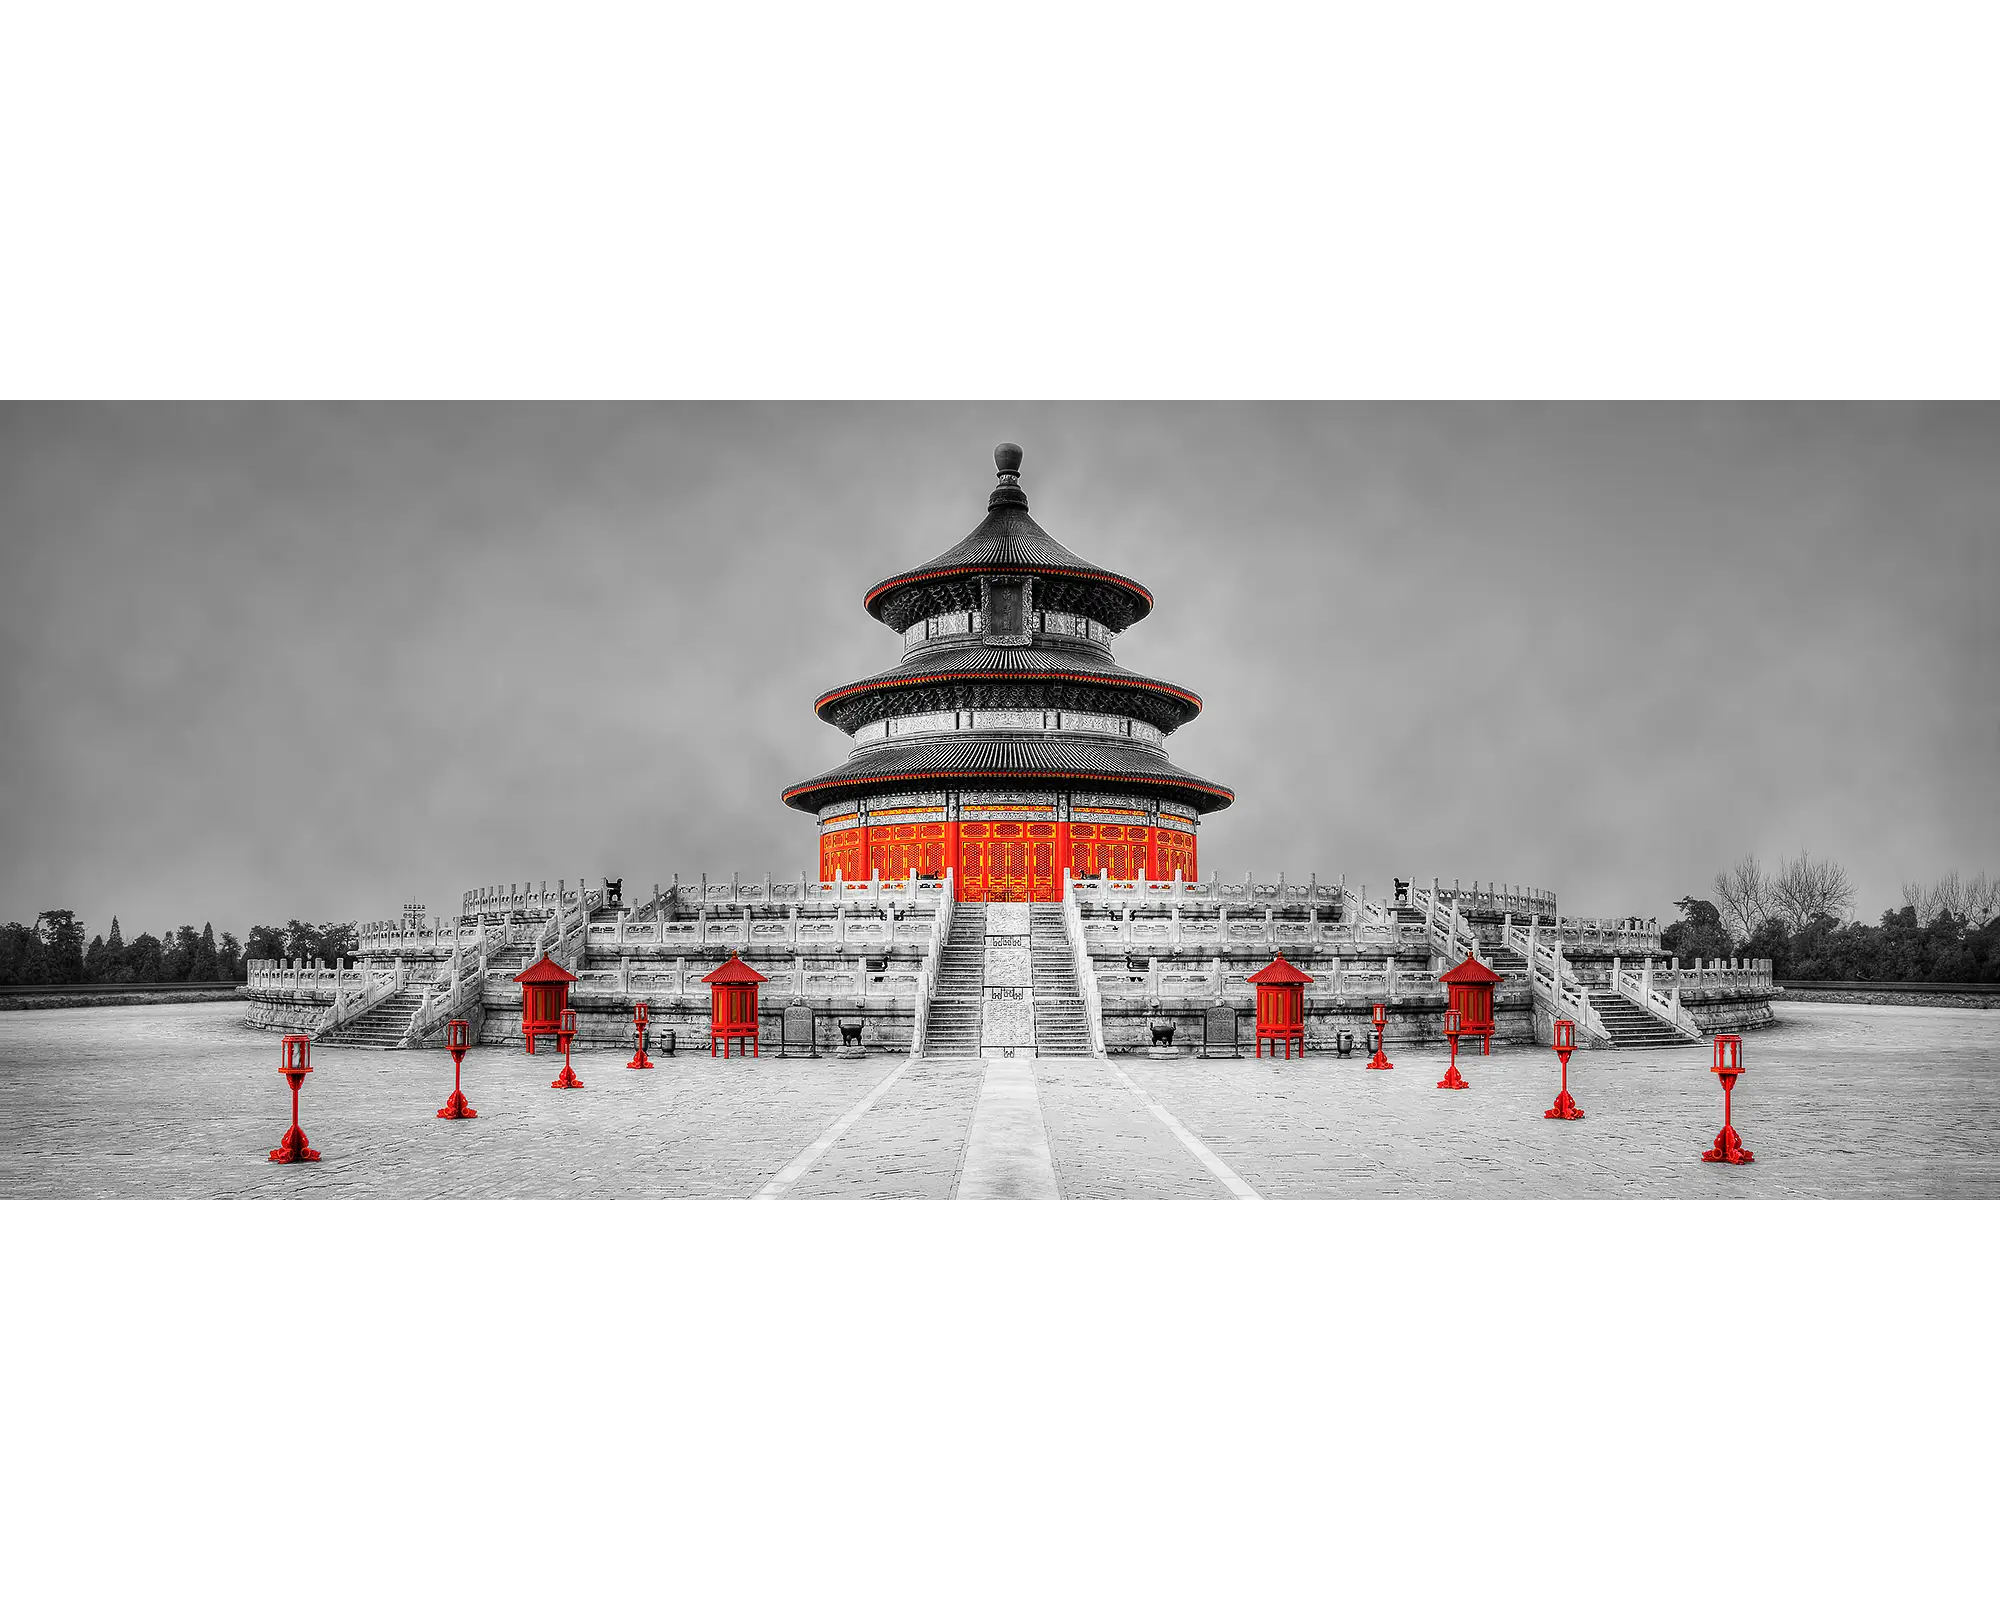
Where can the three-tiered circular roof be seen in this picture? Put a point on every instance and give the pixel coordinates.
(1101, 723)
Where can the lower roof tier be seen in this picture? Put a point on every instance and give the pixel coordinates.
(986, 760)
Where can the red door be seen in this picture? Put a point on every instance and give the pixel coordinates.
(1042, 869)
(1007, 866)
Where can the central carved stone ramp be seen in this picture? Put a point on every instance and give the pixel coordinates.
(1007, 1014)
(1631, 1026)
(1061, 1028)
(384, 1026)
(954, 1021)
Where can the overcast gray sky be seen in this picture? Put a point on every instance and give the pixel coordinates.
(264, 661)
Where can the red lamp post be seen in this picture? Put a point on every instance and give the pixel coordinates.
(565, 1032)
(1729, 1067)
(292, 1146)
(1378, 1062)
(640, 1015)
(1451, 1079)
(1565, 1109)
(455, 1040)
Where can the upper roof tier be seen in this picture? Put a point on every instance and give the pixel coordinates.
(1009, 540)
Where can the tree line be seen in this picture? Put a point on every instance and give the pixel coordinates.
(1946, 931)
(54, 950)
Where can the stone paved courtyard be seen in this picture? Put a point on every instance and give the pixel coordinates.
(184, 1101)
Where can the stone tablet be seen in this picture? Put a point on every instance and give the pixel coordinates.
(797, 1039)
(1218, 1031)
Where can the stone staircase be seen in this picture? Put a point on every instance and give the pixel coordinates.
(1633, 1027)
(954, 1028)
(1061, 1028)
(383, 1027)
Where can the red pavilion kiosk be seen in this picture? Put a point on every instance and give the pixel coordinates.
(733, 1005)
(1470, 986)
(544, 997)
(1281, 1006)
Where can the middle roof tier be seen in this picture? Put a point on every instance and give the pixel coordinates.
(977, 676)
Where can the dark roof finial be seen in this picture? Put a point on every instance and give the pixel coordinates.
(1007, 457)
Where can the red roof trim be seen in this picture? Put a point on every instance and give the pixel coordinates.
(927, 575)
(555, 974)
(735, 970)
(1281, 971)
(866, 685)
(894, 780)
(1470, 970)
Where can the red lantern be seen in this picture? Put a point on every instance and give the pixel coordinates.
(1565, 1109)
(544, 993)
(1281, 1006)
(1378, 1062)
(297, 1049)
(733, 1006)
(1729, 1067)
(640, 1014)
(565, 1032)
(1452, 1027)
(455, 1033)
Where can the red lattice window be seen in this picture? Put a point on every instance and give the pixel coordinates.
(842, 852)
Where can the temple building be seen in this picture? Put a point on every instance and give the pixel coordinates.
(1007, 863)
(1008, 744)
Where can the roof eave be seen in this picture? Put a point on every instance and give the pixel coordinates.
(881, 684)
(803, 796)
(876, 598)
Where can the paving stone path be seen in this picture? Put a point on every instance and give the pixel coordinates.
(1838, 1101)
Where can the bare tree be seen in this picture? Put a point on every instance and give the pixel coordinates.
(1805, 889)
(1745, 896)
(1969, 899)
(1926, 899)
